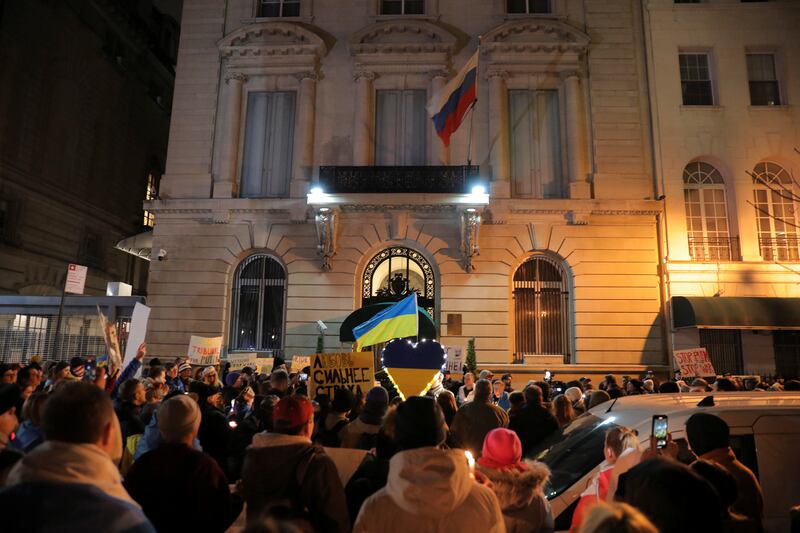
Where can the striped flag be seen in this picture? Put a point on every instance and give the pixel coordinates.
(447, 108)
(395, 322)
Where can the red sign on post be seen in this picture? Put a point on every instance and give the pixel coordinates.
(694, 362)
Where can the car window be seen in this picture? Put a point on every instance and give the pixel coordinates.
(572, 452)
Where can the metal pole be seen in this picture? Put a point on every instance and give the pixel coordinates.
(57, 338)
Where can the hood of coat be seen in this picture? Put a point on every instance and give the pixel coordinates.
(429, 481)
(64, 462)
(516, 489)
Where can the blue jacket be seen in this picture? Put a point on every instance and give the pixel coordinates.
(127, 373)
(28, 437)
(175, 384)
(503, 402)
(39, 506)
(151, 439)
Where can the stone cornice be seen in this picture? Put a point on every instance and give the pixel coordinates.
(273, 39)
(418, 36)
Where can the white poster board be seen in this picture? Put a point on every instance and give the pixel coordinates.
(240, 360)
(455, 359)
(136, 334)
(76, 278)
(204, 351)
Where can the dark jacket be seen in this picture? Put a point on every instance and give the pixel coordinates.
(130, 419)
(197, 498)
(533, 424)
(44, 507)
(215, 435)
(750, 502)
(473, 421)
(369, 478)
(291, 471)
(521, 496)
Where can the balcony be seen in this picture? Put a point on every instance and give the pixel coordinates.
(711, 249)
(398, 179)
(780, 248)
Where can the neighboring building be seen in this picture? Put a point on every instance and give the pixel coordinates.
(84, 119)
(558, 266)
(725, 85)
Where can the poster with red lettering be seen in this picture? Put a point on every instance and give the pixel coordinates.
(204, 351)
(694, 362)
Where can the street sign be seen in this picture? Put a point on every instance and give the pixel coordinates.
(76, 279)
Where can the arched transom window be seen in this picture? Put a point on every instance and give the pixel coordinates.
(707, 214)
(394, 273)
(541, 308)
(259, 292)
(775, 200)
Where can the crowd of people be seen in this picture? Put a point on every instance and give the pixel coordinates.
(174, 447)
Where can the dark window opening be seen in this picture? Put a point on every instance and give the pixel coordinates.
(526, 7)
(786, 345)
(724, 347)
(696, 87)
(259, 291)
(402, 7)
(764, 87)
(279, 8)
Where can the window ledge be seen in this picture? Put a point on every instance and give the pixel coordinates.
(518, 16)
(383, 18)
(702, 107)
(259, 20)
(782, 107)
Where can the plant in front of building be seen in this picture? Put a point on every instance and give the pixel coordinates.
(320, 343)
(472, 364)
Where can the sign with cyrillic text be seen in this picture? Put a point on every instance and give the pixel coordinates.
(331, 371)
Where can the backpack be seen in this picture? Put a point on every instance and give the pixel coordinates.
(330, 437)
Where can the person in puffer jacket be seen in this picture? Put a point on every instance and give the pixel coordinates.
(518, 484)
(428, 489)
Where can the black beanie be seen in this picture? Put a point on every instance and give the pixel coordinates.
(707, 432)
(419, 423)
(9, 396)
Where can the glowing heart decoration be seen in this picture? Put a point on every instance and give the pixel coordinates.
(413, 367)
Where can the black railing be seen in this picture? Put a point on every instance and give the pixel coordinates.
(433, 179)
(714, 248)
(780, 248)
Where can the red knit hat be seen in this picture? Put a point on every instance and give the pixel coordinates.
(293, 411)
(502, 450)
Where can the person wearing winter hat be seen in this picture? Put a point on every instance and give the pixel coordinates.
(185, 375)
(428, 488)
(362, 432)
(9, 455)
(475, 419)
(198, 486)
(709, 439)
(233, 386)
(575, 396)
(215, 433)
(284, 465)
(517, 483)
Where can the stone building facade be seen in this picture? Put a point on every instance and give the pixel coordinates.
(724, 89)
(301, 158)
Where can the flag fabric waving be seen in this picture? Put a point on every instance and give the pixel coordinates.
(447, 109)
(395, 322)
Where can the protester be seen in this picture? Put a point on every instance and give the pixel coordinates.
(547, 393)
(285, 466)
(362, 432)
(506, 379)
(243, 403)
(534, 422)
(332, 429)
(563, 410)
(725, 385)
(210, 377)
(233, 387)
(518, 484)
(725, 485)
(173, 381)
(279, 383)
(154, 392)
(9, 454)
(699, 385)
(198, 495)
(616, 517)
(499, 395)
(214, 433)
(634, 387)
(516, 401)
(475, 419)
(8, 373)
(669, 387)
(428, 488)
(185, 375)
(29, 435)
(709, 439)
(132, 397)
(465, 391)
(71, 482)
(447, 402)
(598, 397)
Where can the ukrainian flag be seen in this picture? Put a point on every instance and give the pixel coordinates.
(398, 321)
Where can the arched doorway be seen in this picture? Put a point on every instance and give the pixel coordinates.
(541, 308)
(394, 273)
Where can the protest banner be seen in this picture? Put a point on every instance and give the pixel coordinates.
(331, 371)
(240, 360)
(455, 359)
(136, 334)
(204, 351)
(694, 362)
(113, 351)
(299, 362)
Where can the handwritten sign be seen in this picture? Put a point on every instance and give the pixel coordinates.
(240, 360)
(331, 371)
(455, 359)
(204, 351)
(299, 362)
(694, 362)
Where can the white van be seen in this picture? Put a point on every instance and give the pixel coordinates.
(765, 435)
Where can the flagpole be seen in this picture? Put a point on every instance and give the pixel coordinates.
(472, 107)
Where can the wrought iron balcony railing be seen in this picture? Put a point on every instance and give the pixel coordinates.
(780, 248)
(714, 248)
(399, 179)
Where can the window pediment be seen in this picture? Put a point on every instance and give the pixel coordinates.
(399, 36)
(273, 38)
(534, 45)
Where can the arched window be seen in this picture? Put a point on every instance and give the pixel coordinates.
(707, 214)
(395, 272)
(259, 292)
(541, 308)
(776, 206)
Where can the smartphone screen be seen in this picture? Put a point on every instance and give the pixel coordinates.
(660, 423)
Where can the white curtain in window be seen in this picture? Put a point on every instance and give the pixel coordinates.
(402, 123)
(535, 144)
(268, 140)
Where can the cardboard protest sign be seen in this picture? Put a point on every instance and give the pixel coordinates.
(114, 359)
(204, 351)
(299, 362)
(694, 362)
(455, 359)
(331, 371)
(240, 360)
(76, 279)
(138, 329)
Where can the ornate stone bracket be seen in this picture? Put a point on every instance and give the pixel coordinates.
(470, 227)
(326, 221)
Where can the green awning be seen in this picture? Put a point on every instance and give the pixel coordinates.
(735, 312)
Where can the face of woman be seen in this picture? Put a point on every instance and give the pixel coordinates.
(210, 378)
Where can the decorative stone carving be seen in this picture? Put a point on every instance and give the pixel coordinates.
(274, 38)
(326, 221)
(300, 76)
(364, 74)
(237, 76)
(577, 219)
(221, 216)
(470, 227)
(403, 36)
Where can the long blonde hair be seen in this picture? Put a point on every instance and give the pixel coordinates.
(616, 517)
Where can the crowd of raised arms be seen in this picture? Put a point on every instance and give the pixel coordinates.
(183, 448)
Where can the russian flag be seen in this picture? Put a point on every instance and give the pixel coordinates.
(447, 109)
